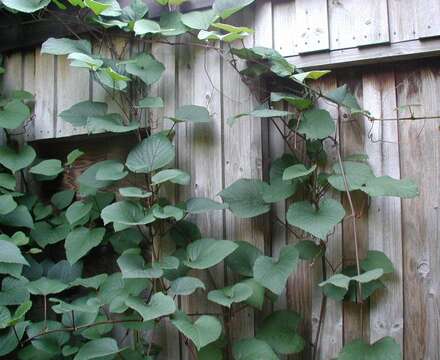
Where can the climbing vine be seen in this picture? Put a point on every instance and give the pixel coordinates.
(49, 309)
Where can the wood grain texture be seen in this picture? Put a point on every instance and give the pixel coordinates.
(200, 153)
(283, 18)
(403, 23)
(427, 18)
(311, 26)
(352, 130)
(330, 340)
(384, 213)
(357, 23)
(419, 151)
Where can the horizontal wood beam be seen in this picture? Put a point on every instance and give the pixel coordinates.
(16, 33)
(405, 50)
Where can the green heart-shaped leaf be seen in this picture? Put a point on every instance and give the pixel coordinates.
(384, 349)
(98, 348)
(51, 167)
(80, 241)
(159, 305)
(11, 254)
(273, 274)
(7, 204)
(252, 349)
(242, 260)
(205, 253)
(205, 330)
(316, 124)
(231, 294)
(318, 222)
(13, 114)
(45, 286)
(14, 160)
(186, 285)
(145, 67)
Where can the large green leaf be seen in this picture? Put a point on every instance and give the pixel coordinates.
(9, 340)
(316, 124)
(298, 171)
(134, 192)
(192, 113)
(186, 285)
(127, 213)
(280, 189)
(17, 160)
(13, 114)
(44, 233)
(318, 222)
(245, 198)
(226, 8)
(78, 114)
(88, 182)
(45, 286)
(343, 97)
(151, 154)
(26, 6)
(111, 171)
(111, 122)
(7, 181)
(78, 212)
(205, 330)
(201, 205)
(384, 349)
(144, 26)
(51, 167)
(356, 174)
(62, 199)
(242, 260)
(272, 273)
(175, 176)
(65, 46)
(146, 67)
(132, 266)
(253, 349)
(10, 253)
(98, 348)
(256, 300)
(387, 186)
(51, 343)
(7, 204)
(280, 331)
(14, 291)
(299, 102)
(159, 305)
(231, 294)
(199, 20)
(81, 240)
(377, 260)
(19, 217)
(205, 253)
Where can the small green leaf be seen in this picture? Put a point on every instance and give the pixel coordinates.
(26, 6)
(205, 330)
(205, 253)
(312, 75)
(316, 124)
(159, 305)
(45, 234)
(384, 349)
(268, 113)
(19, 217)
(80, 241)
(132, 266)
(356, 174)
(111, 123)
(253, 349)
(98, 348)
(144, 26)
(192, 113)
(13, 114)
(44, 286)
(77, 114)
(111, 171)
(153, 153)
(17, 160)
(175, 176)
(387, 186)
(14, 291)
(226, 8)
(126, 213)
(199, 20)
(85, 61)
(146, 67)
(65, 46)
(62, 199)
(318, 222)
(245, 198)
(377, 260)
(273, 274)
(51, 167)
(73, 156)
(297, 171)
(280, 331)
(168, 211)
(242, 260)
(343, 97)
(231, 294)
(7, 181)
(308, 250)
(7, 204)
(201, 205)
(78, 212)
(186, 285)
(151, 102)
(134, 192)
(256, 300)
(299, 102)
(11, 254)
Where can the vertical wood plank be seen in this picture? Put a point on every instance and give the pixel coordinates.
(427, 18)
(384, 214)
(355, 23)
(403, 23)
(73, 86)
(284, 18)
(167, 335)
(29, 85)
(420, 159)
(330, 342)
(353, 142)
(13, 76)
(200, 153)
(45, 95)
(242, 159)
(311, 26)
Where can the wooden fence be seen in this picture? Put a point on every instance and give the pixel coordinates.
(216, 155)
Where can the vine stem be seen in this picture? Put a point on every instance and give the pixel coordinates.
(322, 310)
